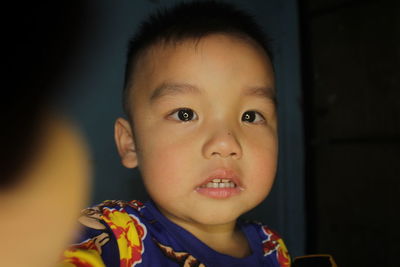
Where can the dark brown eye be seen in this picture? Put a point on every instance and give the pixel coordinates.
(252, 117)
(184, 114)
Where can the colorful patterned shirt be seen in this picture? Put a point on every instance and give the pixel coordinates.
(118, 233)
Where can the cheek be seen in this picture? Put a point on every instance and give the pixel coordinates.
(166, 163)
(262, 162)
(264, 167)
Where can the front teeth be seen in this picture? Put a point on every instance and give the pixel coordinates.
(219, 183)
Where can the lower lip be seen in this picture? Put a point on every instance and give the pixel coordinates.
(218, 193)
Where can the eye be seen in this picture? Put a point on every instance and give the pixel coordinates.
(184, 114)
(252, 117)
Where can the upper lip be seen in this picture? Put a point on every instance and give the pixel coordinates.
(222, 173)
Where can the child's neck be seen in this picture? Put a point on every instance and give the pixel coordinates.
(227, 238)
(233, 243)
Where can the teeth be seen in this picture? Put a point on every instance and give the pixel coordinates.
(224, 184)
(216, 180)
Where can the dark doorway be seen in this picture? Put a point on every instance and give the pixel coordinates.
(351, 67)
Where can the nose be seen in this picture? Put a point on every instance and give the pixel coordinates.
(223, 144)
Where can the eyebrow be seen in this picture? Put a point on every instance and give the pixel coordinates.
(171, 89)
(262, 92)
(167, 89)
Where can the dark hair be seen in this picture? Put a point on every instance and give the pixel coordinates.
(40, 40)
(189, 20)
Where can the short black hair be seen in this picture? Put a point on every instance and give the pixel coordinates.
(189, 20)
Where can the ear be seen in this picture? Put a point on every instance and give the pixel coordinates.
(125, 143)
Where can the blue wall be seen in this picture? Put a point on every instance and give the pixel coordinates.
(94, 103)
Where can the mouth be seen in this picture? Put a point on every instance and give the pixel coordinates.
(221, 184)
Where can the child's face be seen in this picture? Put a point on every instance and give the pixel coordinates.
(203, 111)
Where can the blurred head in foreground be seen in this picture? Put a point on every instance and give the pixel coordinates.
(44, 162)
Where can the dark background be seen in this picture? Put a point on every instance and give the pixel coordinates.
(337, 66)
(351, 89)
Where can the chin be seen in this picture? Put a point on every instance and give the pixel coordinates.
(216, 217)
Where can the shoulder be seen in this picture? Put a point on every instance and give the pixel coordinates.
(112, 213)
(113, 231)
(272, 244)
(124, 219)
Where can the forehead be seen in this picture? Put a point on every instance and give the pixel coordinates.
(217, 60)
